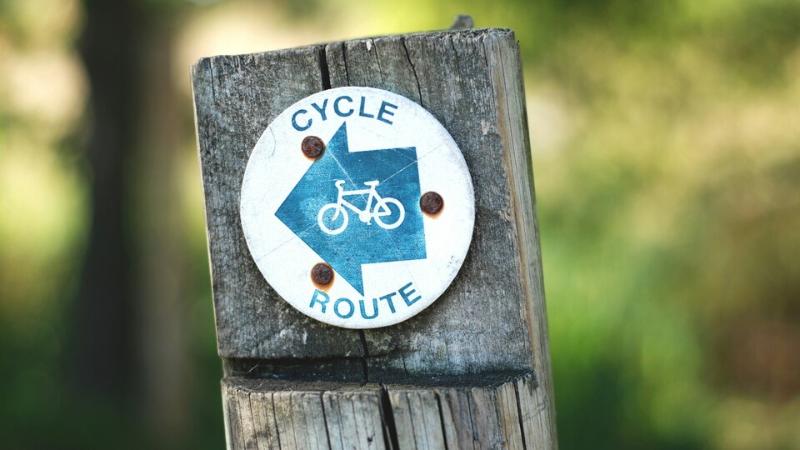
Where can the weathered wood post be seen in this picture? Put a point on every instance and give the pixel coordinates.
(470, 371)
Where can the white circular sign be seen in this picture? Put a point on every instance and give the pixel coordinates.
(351, 235)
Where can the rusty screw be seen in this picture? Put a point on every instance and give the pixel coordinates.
(312, 147)
(322, 274)
(431, 202)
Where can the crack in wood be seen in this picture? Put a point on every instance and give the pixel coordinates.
(323, 68)
(387, 415)
(364, 359)
(291, 415)
(455, 359)
(413, 70)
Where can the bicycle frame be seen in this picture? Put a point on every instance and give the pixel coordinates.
(372, 196)
(377, 207)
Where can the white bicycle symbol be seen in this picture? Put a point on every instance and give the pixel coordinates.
(333, 217)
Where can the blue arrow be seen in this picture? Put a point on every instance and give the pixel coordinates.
(358, 242)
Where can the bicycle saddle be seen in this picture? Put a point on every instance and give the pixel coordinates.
(372, 183)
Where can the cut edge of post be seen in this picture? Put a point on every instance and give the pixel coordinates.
(512, 114)
(456, 28)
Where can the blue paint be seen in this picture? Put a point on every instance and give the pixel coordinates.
(343, 106)
(388, 299)
(321, 298)
(374, 309)
(350, 308)
(321, 109)
(359, 243)
(406, 292)
(297, 126)
(368, 309)
(385, 111)
(337, 109)
(361, 111)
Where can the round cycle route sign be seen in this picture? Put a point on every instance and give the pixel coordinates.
(357, 207)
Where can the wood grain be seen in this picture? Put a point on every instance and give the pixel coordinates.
(235, 99)
(277, 415)
(479, 323)
(492, 319)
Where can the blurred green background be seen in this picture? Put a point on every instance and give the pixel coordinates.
(666, 148)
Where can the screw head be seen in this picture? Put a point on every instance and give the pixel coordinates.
(312, 147)
(431, 202)
(321, 274)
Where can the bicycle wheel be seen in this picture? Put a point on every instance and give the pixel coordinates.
(389, 213)
(332, 219)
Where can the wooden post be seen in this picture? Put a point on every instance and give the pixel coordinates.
(472, 370)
